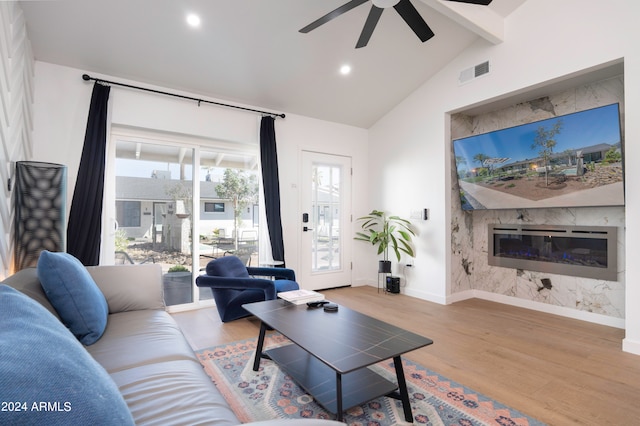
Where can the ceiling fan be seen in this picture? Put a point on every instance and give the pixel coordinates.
(404, 8)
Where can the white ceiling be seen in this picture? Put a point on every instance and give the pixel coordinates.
(250, 51)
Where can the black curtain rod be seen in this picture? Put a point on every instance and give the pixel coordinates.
(86, 77)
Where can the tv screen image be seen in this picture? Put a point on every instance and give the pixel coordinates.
(573, 160)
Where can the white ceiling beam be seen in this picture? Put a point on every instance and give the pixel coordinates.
(478, 19)
(181, 154)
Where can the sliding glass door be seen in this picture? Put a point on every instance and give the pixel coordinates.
(180, 205)
(154, 213)
(229, 206)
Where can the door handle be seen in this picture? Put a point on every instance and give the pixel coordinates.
(306, 229)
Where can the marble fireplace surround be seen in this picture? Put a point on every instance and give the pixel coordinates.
(595, 300)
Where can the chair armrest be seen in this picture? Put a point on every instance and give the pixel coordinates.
(232, 283)
(277, 273)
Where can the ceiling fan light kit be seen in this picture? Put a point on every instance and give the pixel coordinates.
(384, 3)
(480, 2)
(404, 8)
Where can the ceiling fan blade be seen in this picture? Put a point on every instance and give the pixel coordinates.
(414, 20)
(333, 14)
(482, 2)
(369, 26)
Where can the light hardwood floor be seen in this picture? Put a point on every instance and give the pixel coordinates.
(558, 370)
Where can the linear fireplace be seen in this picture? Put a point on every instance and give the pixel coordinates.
(582, 251)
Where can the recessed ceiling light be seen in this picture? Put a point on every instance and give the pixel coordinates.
(345, 69)
(193, 20)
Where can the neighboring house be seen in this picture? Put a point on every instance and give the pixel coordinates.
(143, 204)
(594, 153)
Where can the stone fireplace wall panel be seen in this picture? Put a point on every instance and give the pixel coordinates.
(469, 249)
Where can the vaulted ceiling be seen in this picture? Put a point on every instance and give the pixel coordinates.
(251, 52)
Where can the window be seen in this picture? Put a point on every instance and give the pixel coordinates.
(128, 213)
(214, 207)
(165, 199)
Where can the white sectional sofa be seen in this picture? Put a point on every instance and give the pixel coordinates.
(142, 350)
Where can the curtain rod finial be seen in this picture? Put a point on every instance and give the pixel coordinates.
(86, 77)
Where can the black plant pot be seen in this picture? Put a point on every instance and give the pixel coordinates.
(177, 288)
(384, 266)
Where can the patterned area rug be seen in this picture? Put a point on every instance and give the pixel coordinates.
(269, 393)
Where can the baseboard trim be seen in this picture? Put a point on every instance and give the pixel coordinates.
(521, 303)
(631, 346)
(430, 297)
(417, 294)
(538, 306)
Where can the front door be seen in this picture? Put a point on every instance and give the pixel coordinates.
(325, 221)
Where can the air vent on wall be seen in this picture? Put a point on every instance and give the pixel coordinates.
(474, 72)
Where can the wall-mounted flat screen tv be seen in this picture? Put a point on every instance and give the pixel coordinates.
(574, 160)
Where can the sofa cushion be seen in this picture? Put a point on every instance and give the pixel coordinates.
(26, 281)
(129, 287)
(138, 338)
(174, 393)
(74, 294)
(45, 369)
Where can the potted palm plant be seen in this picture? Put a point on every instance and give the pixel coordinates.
(386, 232)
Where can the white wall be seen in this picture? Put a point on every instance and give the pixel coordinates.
(545, 40)
(62, 104)
(303, 133)
(16, 90)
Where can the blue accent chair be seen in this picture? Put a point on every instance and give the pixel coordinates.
(234, 284)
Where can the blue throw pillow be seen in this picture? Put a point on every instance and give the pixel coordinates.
(46, 376)
(75, 295)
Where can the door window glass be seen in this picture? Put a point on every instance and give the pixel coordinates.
(326, 201)
(154, 205)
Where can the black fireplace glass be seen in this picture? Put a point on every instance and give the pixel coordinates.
(574, 250)
(555, 249)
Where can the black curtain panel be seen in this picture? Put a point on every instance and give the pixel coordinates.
(85, 217)
(269, 160)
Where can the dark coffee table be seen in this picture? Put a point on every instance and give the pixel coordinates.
(331, 351)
